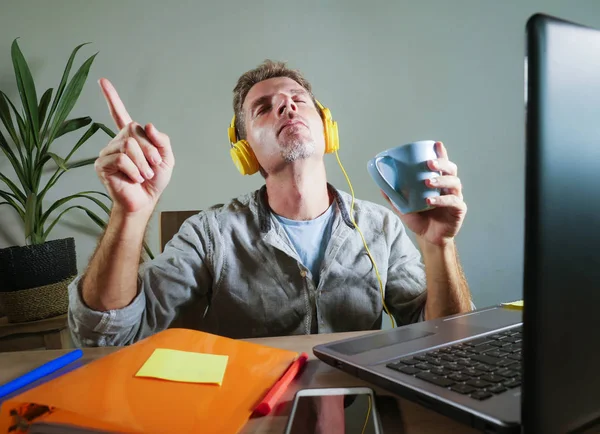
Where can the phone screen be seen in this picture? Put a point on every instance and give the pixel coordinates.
(334, 414)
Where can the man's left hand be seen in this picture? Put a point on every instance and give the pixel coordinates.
(439, 225)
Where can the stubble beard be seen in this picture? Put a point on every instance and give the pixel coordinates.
(298, 149)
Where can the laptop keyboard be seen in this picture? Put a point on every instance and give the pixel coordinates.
(479, 368)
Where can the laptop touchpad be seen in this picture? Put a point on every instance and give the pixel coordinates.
(379, 340)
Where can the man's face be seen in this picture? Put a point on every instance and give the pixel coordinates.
(282, 123)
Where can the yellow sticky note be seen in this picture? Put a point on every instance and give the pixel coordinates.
(514, 305)
(184, 366)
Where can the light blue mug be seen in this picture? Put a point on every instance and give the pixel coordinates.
(401, 173)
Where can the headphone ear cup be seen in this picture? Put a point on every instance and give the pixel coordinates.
(243, 157)
(332, 143)
(334, 139)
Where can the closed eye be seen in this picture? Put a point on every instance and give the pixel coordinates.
(262, 109)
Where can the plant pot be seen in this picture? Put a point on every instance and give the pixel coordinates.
(34, 279)
(24, 267)
(36, 303)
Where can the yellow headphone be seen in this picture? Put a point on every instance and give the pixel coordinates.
(244, 159)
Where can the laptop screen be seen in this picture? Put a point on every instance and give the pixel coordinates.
(561, 389)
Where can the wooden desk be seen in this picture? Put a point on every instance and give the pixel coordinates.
(412, 418)
(50, 333)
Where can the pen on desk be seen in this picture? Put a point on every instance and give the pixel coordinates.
(268, 402)
(39, 372)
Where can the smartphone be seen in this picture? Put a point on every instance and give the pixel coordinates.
(339, 410)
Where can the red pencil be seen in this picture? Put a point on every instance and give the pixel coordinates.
(268, 402)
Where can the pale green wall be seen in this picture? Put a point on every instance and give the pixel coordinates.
(391, 72)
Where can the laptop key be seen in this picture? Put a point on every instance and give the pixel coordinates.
(472, 372)
(482, 349)
(433, 361)
(435, 379)
(454, 367)
(488, 360)
(499, 388)
(463, 388)
(485, 368)
(497, 353)
(493, 378)
(507, 362)
(410, 370)
(424, 366)
(438, 371)
(515, 356)
(508, 373)
(420, 358)
(481, 395)
(512, 383)
(480, 341)
(480, 384)
(410, 361)
(459, 376)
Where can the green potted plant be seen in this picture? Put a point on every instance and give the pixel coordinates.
(34, 277)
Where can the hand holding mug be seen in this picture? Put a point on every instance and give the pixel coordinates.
(422, 184)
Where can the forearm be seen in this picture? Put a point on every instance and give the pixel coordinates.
(110, 281)
(447, 289)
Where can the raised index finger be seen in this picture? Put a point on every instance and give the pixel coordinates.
(115, 105)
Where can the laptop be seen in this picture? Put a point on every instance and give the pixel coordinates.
(535, 370)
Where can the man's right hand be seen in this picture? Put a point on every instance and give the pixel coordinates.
(136, 165)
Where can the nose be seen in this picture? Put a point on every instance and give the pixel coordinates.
(287, 107)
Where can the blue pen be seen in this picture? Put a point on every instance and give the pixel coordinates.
(39, 372)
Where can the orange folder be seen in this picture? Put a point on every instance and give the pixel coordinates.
(105, 394)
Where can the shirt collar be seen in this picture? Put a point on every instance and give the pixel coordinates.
(264, 210)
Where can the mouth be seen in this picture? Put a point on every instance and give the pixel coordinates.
(289, 124)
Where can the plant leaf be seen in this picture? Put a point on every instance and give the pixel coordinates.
(72, 125)
(13, 159)
(26, 88)
(107, 130)
(18, 193)
(59, 172)
(84, 195)
(20, 122)
(89, 133)
(63, 83)
(44, 102)
(60, 162)
(6, 196)
(7, 119)
(93, 216)
(81, 163)
(148, 251)
(71, 94)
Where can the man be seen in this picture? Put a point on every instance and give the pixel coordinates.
(285, 259)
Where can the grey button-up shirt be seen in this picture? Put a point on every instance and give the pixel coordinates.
(231, 270)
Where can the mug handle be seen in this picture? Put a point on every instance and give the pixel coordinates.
(388, 189)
